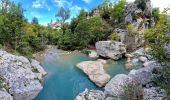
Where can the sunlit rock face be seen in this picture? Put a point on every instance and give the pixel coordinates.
(91, 95)
(115, 87)
(110, 49)
(95, 71)
(139, 15)
(5, 96)
(21, 76)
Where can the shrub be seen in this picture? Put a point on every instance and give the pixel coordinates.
(131, 30)
(3, 84)
(115, 37)
(133, 92)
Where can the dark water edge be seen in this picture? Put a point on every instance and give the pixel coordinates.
(64, 81)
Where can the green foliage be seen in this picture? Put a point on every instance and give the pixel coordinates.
(118, 11)
(63, 14)
(105, 9)
(157, 38)
(141, 4)
(35, 20)
(115, 37)
(133, 92)
(11, 23)
(155, 14)
(16, 34)
(131, 29)
(81, 33)
(3, 84)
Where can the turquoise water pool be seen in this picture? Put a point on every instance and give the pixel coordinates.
(64, 81)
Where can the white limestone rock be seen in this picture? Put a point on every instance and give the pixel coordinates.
(95, 71)
(143, 75)
(5, 95)
(110, 49)
(115, 87)
(17, 72)
(154, 93)
(91, 95)
(143, 59)
(93, 54)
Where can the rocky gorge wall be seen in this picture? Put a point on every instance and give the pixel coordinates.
(21, 75)
(139, 18)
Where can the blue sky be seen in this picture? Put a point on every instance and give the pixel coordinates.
(45, 10)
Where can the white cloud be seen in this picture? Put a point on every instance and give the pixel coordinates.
(87, 1)
(40, 4)
(37, 4)
(161, 4)
(62, 3)
(75, 10)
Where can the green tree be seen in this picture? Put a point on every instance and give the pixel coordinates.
(141, 4)
(35, 20)
(118, 11)
(11, 22)
(63, 14)
(157, 38)
(155, 14)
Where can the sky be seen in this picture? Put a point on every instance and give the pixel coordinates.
(45, 10)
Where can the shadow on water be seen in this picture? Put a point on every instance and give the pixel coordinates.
(64, 81)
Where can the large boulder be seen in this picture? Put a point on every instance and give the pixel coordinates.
(116, 86)
(95, 71)
(110, 49)
(143, 75)
(18, 72)
(38, 68)
(5, 95)
(154, 93)
(91, 95)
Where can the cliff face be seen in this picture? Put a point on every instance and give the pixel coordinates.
(139, 15)
(21, 75)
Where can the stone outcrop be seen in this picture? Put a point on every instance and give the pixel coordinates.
(5, 95)
(95, 71)
(140, 17)
(143, 59)
(110, 49)
(91, 95)
(115, 87)
(19, 74)
(130, 9)
(40, 72)
(154, 93)
(143, 75)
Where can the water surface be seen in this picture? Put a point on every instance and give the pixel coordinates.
(64, 81)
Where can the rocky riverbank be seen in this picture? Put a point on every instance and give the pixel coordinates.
(115, 88)
(22, 76)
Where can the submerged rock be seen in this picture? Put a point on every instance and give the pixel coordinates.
(143, 59)
(5, 95)
(93, 54)
(91, 95)
(110, 49)
(115, 87)
(17, 71)
(95, 71)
